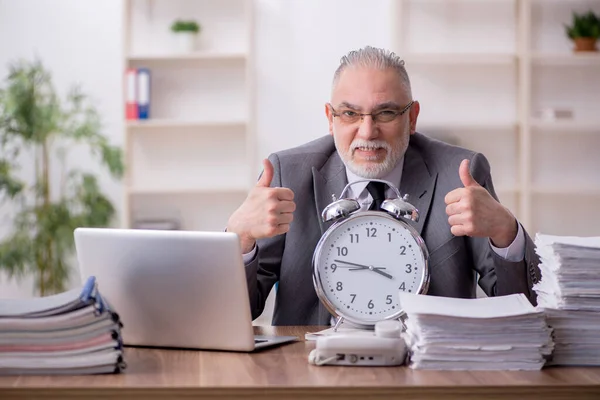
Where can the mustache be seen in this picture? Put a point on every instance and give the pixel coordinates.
(370, 144)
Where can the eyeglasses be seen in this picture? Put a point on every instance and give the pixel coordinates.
(349, 116)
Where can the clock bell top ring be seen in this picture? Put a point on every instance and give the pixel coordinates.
(398, 207)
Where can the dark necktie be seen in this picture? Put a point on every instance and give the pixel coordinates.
(377, 190)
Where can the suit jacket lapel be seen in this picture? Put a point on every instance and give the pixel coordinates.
(330, 179)
(418, 183)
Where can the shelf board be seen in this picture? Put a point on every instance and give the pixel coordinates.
(196, 56)
(460, 59)
(566, 190)
(174, 123)
(566, 58)
(565, 126)
(187, 191)
(465, 126)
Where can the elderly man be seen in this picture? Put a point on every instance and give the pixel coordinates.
(372, 124)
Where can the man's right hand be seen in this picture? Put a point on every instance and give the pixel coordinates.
(266, 212)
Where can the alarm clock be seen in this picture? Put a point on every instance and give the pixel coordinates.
(365, 258)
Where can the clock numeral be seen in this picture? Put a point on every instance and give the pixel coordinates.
(390, 236)
(339, 286)
(402, 250)
(408, 268)
(402, 287)
(371, 232)
(371, 305)
(354, 238)
(388, 299)
(333, 267)
(353, 297)
(342, 251)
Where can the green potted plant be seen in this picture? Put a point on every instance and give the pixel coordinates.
(186, 33)
(36, 129)
(584, 31)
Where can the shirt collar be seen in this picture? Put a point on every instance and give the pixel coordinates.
(394, 176)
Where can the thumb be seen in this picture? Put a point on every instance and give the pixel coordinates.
(465, 175)
(267, 176)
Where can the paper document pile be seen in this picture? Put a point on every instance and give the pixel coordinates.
(73, 332)
(569, 294)
(495, 333)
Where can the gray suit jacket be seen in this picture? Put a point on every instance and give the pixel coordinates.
(314, 171)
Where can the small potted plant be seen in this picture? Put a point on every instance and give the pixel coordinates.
(584, 31)
(186, 32)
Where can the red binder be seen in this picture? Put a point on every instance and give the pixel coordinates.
(131, 104)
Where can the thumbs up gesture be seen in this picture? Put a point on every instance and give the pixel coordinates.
(472, 211)
(266, 212)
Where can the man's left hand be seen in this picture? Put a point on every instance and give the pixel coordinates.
(472, 211)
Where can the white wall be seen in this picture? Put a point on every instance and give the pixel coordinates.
(298, 45)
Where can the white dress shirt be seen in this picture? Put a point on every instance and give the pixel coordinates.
(515, 252)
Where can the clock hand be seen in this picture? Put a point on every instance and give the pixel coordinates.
(382, 273)
(374, 269)
(351, 263)
(361, 267)
(351, 267)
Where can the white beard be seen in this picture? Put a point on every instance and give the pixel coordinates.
(375, 169)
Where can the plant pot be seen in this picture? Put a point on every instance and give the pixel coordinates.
(585, 44)
(185, 42)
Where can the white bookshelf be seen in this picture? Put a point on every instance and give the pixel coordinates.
(565, 127)
(174, 190)
(193, 56)
(156, 123)
(450, 59)
(483, 127)
(193, 159)
(566, 59)
(566, 190)
(513, 56)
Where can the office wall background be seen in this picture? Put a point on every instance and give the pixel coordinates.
(468, 85)
(298, 45)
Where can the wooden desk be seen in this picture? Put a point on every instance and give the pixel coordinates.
(283, 372)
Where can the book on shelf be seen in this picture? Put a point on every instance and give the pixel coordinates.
(75, 332)
(137, 93)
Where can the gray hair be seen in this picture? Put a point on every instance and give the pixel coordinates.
(373, 57)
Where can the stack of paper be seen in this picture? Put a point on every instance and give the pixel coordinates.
(74, 332)
(569, 294)
(495, 333)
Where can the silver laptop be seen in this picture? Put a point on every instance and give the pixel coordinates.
(174, 289)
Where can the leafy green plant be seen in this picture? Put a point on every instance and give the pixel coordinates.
(35, 122)
(586, 25)
(185, 26)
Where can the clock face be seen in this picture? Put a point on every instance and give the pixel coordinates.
(364, 262)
